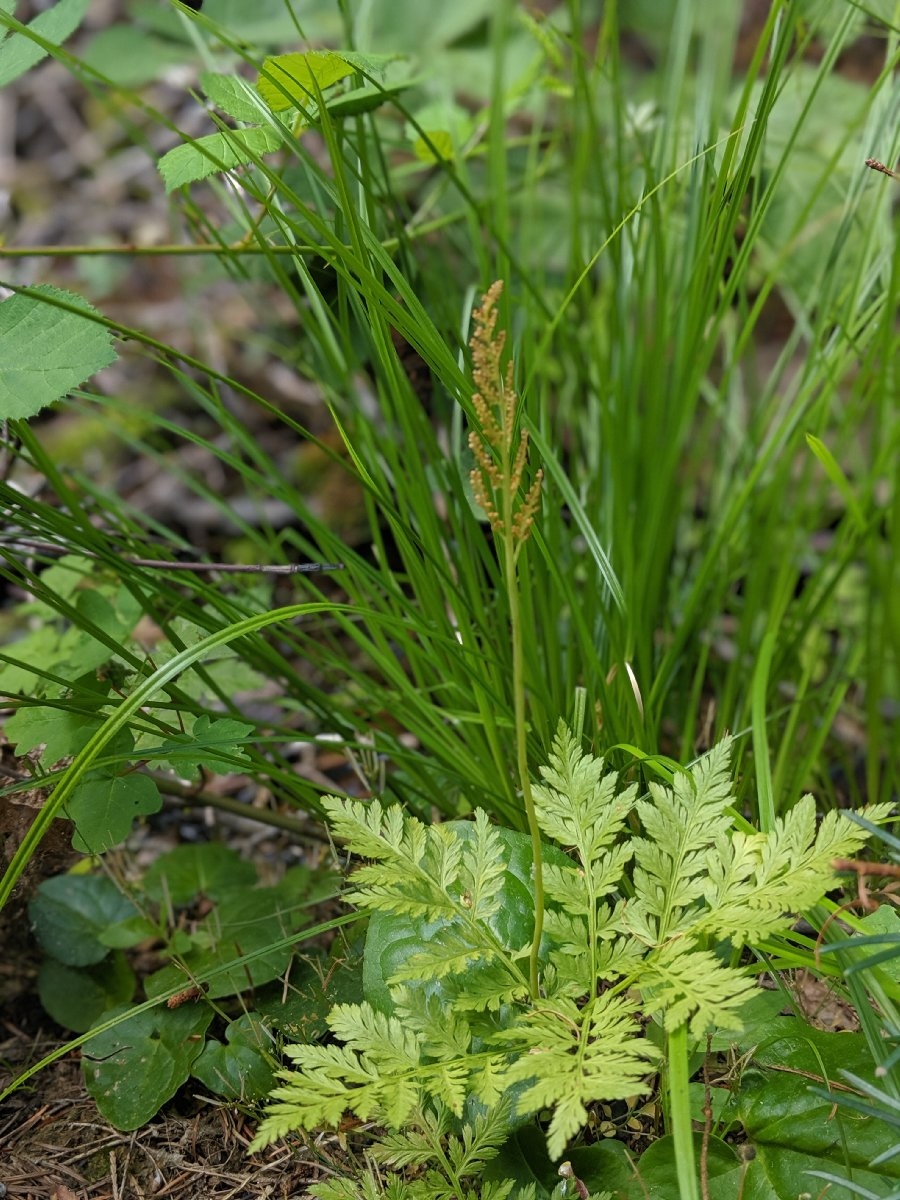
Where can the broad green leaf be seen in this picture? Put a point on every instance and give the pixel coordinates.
(69, 912)
(294, 80)
(207, 744)
(61, 732)
(46, 351)
(18, 53)
(437, 148)
(75, 997)
(188, 872)
(134, 1068)
(243, 1068)
(447, 126)
(363, 99)
(793, 1131)
(129, 932)
(105, 807)
(315, 985)
(130, 56)
(233, 95)
(883, 922)
(244, 922)
(215, 152)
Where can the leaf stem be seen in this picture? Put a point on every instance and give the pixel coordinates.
(518, 668)
(680, 1113)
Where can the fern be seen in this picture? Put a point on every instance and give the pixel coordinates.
(574, 1056)
(634, 929)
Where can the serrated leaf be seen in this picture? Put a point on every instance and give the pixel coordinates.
(206, 745)
(18, 53)
(60, 731)
(105, 807)
(294, 80)
(46, 351)
(156, 1047)
(233, 95)
(215, 152)
(69, 912)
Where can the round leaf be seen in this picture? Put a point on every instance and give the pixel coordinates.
(70, 912)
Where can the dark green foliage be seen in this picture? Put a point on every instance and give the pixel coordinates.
(245, 939)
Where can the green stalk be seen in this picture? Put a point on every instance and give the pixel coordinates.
(680, 1113)
(510, 570)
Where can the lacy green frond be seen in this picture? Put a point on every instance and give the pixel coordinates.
(480, 1141)
(574, 1056)
(568, 933)
(568, 887)
(681, 824)
(486, 987)
(442, 1034)
(466, 1154)
(689, 985)
(450, 951)
(373, 832)
(488, 1080)
(384, 1040)
(401, 887)
(421, 871)
(317, 1094)
(609, 867)
(482, 871)
(577, 804)
(364, 1187)
(757, 882)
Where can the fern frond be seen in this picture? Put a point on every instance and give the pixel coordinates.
(681, 824)
(574, 1056)
(568, 887)
(442, 1034)
(568, 933)
(405, 1148)
(486, 987)
(402, 888)
(609, 867)
(480, 1141)
(451, 951)
(488, 1080)
(690, 985)
(577, 804)
(363, 1187)
(448, 1083)
(373, 832)
(312, 1097)
(384, 1040)
(483, 870)
(757, 882)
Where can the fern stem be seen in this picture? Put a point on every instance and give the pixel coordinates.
(518, 665)
(680, 1113)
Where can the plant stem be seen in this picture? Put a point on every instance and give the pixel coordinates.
(680, 1113)
(518, 666)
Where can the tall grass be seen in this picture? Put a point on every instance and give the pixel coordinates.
(694, 566)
